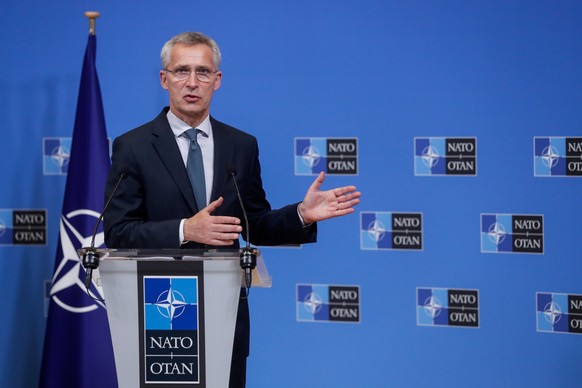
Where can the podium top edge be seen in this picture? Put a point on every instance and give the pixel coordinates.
(193, 254)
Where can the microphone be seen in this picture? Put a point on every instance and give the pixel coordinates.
(248, 258)
(90, 255)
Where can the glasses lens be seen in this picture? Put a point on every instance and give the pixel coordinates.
(182, 75)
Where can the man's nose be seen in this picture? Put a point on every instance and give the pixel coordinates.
(192, 80)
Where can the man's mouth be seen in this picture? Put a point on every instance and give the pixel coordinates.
(191, 98)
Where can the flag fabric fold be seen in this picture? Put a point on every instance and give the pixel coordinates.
(77, 349)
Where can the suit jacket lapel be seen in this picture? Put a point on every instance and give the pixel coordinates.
(165, 144)
(223, 151)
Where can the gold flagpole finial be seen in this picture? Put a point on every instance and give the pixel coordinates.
(92, 15)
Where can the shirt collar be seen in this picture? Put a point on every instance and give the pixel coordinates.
(179, 127)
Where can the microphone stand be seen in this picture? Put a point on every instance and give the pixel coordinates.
(91, 257)
(248, 256)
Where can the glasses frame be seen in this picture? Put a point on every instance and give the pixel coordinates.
(206, 74)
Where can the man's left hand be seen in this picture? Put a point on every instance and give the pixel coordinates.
(322, 205)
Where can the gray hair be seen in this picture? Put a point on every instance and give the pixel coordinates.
(191, 39)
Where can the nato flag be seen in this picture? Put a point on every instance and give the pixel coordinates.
(77, 350)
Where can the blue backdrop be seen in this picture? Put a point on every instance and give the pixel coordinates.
(386, 73)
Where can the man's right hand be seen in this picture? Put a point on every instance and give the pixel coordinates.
(204, 228)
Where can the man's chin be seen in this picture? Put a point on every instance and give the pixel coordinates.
(190, 114)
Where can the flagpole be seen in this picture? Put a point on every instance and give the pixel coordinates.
(78, 350)
(92, 15)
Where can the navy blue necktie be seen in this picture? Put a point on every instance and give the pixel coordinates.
(195, 167)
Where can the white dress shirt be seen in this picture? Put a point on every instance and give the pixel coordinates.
(206, 144)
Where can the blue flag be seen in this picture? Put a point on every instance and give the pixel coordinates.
(78, 351)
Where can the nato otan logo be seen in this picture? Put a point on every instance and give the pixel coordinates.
(557, 156)
(447, 307)
(390, 231)
(512, 233)
(56, 152)
(334, 156)
(328, 303)
(559, 313)
(171, 338)
(445, 156)
(23, 227)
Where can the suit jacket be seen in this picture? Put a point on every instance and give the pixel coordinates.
(156, 195)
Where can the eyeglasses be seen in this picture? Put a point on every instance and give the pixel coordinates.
(202, 74)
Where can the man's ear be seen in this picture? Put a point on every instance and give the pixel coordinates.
(164, 79)
(218, 80)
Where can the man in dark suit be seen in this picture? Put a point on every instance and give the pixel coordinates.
(156, 206)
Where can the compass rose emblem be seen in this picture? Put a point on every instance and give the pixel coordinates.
(377, 230)
(497, 233)
(550, 156)
(2, 227)
(311, 156)
(312, 302)
(552, 313)
(432, 307)
(171, 304)
(60, 156)
(68, 288)
(430, 156)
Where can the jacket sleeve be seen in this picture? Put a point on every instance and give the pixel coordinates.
(271, 226)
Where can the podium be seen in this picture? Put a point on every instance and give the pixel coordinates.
(172, 314)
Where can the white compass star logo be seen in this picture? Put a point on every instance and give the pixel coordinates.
(430, 156)
(311, 156)
(171, 304)
(432, 306)
(60, 156)
(376, 230)
(312, 303)
(550, 156)
(2, 227)
(497, 233)
(552, 313)
(69, 272)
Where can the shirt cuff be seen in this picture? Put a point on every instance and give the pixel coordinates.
(301, 218)
(181, 233)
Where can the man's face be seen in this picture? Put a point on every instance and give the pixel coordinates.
(190, 98)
